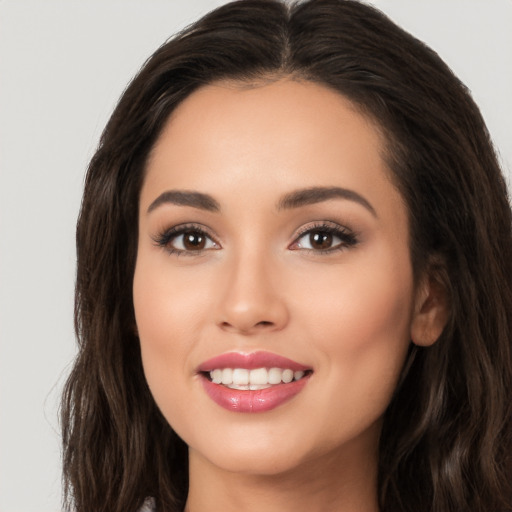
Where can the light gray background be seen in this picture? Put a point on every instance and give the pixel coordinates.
(63, 65)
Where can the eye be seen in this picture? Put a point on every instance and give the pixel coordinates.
(192, 241)
(325, 238)
(186, 240)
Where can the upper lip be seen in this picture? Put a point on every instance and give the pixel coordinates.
(250, 361)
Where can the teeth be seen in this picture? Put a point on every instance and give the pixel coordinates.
(227, 376)
(240, 377)
(260, 378)
(275, 375)
(287, 376)
(298, 375)
(216, 376)
(255, 387)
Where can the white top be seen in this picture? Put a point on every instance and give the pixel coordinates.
(148, 505)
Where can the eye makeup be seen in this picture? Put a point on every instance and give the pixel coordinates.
(318, 238)
(324, 237)
(186, 239)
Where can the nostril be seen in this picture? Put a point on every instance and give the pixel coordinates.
(262, 324)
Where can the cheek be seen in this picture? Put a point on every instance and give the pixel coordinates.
(168, 314)
(361, 324)
(168, 305)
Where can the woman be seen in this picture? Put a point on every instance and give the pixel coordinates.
(294, 278)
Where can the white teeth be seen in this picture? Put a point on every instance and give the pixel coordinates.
(274, 375)
(255, 387)
(287, 376)
(242, 387)
(227, 376)
(216, 376)
(259, 378)
(240, 377)
(298, 375)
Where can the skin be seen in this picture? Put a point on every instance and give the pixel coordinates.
(350, 314)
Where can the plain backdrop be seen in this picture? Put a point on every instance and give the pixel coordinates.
(63, 64)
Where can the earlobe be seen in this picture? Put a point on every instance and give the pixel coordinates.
(431, 312)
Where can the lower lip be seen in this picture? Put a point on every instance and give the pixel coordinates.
(261, 400)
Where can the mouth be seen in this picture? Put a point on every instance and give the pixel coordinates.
(255, 382)
(243, 379)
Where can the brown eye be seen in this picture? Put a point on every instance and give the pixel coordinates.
(186, 240)
(320, 240)
(325, 239)
(194, 241)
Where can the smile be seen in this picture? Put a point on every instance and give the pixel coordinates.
(260, 378)
(255, 382)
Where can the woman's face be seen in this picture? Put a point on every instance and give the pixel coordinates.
(271, 239)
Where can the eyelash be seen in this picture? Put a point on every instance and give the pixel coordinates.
(347, 238)
(164, 239)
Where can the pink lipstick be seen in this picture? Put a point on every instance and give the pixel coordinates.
(254, 382)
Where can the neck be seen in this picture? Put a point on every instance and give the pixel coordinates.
(345, 482)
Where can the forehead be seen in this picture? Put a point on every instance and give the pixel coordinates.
(225, 112)
(268, 138)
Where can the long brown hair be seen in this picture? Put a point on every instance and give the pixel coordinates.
(446, 443)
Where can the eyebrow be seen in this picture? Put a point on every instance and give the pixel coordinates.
(186, 198)
(289, 201)
(315, 195)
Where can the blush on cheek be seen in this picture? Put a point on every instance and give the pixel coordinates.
(371, 318)
(163, 377)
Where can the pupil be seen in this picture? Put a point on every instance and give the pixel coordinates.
(320, 240)
(193, 240)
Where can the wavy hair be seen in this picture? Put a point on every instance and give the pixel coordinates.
(446, 444)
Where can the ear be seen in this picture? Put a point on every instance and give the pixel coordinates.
(431, 311)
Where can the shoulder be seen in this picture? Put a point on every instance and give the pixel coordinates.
(148, 505)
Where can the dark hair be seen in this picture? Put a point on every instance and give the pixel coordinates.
(446, 443)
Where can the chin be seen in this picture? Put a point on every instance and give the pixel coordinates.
(250, 449)
(254, 462)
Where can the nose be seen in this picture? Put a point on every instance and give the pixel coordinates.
(252, 300)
